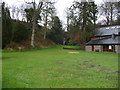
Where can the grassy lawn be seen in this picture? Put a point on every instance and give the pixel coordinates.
(57, 68)
(70, 46)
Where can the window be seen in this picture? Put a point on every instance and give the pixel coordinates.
(110, 47)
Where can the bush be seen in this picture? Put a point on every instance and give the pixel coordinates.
(21, 32)
(12, 45)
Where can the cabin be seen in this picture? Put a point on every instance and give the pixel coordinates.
(105, 39)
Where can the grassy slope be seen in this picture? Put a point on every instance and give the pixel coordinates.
(56, 68)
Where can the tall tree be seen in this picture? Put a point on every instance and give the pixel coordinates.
(29, 14)
(47, 14)
(94, 11)
(0, 26)
(118, 16)
(56, 33)
(81, 15)
(6, 26)
(15, 12)
(35, 16)
(20, 31)
(108, 10)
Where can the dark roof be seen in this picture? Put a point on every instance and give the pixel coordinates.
(107, 30)
(108, 41)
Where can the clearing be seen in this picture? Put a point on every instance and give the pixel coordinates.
(56, 68)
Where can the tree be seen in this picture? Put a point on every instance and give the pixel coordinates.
(29, 14)
(108, 10)
(118, 16)
(6, 26)
(56, 33)
(0, 26)
(81, 15)
(35, 16)
(47, 14)
(94, 11)
(20, 31)
(15, 12)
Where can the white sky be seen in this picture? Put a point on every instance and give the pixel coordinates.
(60, 6)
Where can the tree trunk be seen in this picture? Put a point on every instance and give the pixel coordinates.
(111, 10)
(33, 34)
(45, 34)
(33, 28)
(46, 20)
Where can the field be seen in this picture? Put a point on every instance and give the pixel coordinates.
(59, 68)
(70, 46)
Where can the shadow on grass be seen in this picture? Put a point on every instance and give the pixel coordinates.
(3, 58)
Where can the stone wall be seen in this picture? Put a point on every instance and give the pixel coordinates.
(117, 48)
(98, 48)
(88, 48)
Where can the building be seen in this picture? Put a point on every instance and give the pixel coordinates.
(106, 39)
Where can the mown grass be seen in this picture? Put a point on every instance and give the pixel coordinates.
(57, 68)
(70, 46)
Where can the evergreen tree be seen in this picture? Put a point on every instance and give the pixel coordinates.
(81, 15)
(6, 26)
(56, 33)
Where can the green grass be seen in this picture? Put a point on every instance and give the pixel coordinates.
(56, 68)
(70, 46)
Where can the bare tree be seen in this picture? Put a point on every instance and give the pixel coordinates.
(22, 8)
(108, 10)
(18, 13)
(47, 14)
(35, 13)
(13, 11)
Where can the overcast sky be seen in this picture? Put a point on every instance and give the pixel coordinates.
(60, 6)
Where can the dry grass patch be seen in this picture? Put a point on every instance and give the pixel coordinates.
(73, 52)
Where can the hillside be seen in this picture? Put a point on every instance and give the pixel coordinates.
(20, 37)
